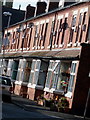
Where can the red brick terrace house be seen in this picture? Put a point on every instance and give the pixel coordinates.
(49, 50)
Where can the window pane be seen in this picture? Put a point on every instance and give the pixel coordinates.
(31, 77)
(36, 77)
(33, 65)
(48, 79)
(71, 82)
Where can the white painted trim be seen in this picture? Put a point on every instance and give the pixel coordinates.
(68, 94)
(18, 82)
(38, 60)
(61, 45)
(27, 48)
(75, 44)
(9, 30)
(75, 12)
(79, 44)
(69, 45)
(60, 17)
(53, 46)
(66, 15)
(33, 47)
(48, 47)
(38, 47)
(47, 20)
(42, 22)
(52, 90)
(42, 47)
(56, 45)
(53, 19)
(37, 23)
(24, 48)
(84, 10)
(9, 68)
(31, 85)
(46, 89)
(37, 70)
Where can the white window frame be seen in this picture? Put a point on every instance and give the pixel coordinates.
(71, 82)
(52, 69)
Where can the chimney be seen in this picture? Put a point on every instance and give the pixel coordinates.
(64, 3)
(40, 8)
(30, 10)
(52, 5)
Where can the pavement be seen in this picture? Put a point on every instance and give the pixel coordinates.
(32, 106)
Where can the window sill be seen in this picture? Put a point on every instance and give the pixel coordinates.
(48, 47)
(49, 90)
(53, 46)
(18, 82)
(75, 44)
(79, 44)
(59, 92)
(68, 94)
(38, 47)
(61, 45)
(31, 85)
(33, 48)
(42, 47)
(70, 44)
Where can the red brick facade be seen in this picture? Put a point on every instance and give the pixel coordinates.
(51, 42)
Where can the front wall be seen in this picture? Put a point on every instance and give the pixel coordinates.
(66, 13)
(17, 89)
(31, 93)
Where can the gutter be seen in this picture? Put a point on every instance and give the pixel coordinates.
(42, 57)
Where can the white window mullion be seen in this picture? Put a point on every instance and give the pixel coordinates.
(47, 85)
(38, 63)
(56, 74)
(32, 71)
(71, 80)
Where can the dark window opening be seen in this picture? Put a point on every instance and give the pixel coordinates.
(59, 31)
(64, 26)
(45, 33)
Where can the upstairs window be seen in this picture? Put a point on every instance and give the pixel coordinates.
(74, 20)
(51, 34)
(72, 30)
(36, 36)
(64, 27)
(83, 26)
(45, 33)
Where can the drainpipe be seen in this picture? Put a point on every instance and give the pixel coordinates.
(87, 103)
(52, 30)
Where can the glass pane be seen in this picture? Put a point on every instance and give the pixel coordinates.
(10, 64)
(31, 77)
(15, 65)
(24, 64)
(14, 74)
(33, 65)
(36, 77)
(38, 64)
(48, 79)
(20, 63)
(71, 82)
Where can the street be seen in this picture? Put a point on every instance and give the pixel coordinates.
(12, 111)
(25, 109)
